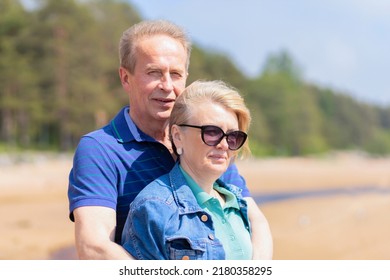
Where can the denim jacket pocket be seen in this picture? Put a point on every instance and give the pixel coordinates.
(181, 248)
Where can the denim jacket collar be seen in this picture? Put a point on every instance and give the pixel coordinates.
(188, 204)
(180, 189)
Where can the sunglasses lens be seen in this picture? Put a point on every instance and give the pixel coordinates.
(212, 135)
(235, 139)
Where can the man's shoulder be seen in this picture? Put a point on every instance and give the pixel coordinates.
(109, 130)
(101, 137)
(103, 132)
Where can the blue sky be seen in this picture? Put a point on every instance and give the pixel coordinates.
(341, 44)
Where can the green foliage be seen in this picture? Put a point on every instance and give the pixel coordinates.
(59, 70)
(291, 116)
(281, 63)
(213, 66)
(18, 107)
(59, 80)
(379, 143)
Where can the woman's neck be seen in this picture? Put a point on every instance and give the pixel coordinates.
(204, 181)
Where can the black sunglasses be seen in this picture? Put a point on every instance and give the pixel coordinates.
(212, 135)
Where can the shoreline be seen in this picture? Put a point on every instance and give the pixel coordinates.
(271, 197)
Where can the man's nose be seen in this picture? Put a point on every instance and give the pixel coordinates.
(166, 83)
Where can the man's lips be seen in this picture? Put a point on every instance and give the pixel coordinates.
(164, 100)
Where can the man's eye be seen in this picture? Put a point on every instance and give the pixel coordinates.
(154, 72)
(176, 75)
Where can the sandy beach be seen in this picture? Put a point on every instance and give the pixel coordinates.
(346, 225)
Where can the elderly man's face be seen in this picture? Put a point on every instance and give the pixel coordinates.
(159, 77)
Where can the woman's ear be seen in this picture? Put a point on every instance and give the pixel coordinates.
(176, 136)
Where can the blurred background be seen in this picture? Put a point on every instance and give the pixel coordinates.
(313, 73)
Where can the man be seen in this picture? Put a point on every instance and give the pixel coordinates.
(112, 164)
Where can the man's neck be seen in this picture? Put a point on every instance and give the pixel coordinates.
(157, 130)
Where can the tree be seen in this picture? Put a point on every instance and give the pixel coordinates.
(207, 65)
(18, 93)
(73, 47)
(292, 118)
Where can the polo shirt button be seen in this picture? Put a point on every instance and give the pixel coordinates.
(232, 237)
(204, 218)
(211, 236)
(185, 258)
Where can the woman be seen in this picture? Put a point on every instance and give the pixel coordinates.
(189, 213)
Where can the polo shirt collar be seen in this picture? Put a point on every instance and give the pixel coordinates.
(202, 197)
(230, 199)
(125, 130)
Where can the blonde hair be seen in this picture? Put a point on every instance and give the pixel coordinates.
(131, 36)
(217, 92)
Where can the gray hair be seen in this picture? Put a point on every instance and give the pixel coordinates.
(131, 36)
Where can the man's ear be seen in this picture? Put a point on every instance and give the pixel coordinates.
(124, 77)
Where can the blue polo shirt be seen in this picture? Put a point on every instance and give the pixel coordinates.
(113, 164)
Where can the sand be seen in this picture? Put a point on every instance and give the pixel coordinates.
(34, 208)
(35, 225)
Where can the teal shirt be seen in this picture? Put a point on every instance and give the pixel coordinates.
(227, 221)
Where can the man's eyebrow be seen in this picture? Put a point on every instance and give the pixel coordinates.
(177, 69)
(152, 67)
(161, 68)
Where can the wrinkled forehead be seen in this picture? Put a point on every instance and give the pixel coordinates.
(160, 43)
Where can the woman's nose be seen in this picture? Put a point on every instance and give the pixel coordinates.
(223, 144)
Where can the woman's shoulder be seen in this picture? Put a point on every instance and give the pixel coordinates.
(230, 187)
(157, 191)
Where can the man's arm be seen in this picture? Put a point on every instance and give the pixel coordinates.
(261, 234)
(95, 233)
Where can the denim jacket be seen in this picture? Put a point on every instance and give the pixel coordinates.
(166, 222)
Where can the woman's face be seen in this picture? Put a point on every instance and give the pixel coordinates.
(199, 159)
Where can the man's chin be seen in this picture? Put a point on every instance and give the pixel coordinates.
(164, 115)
